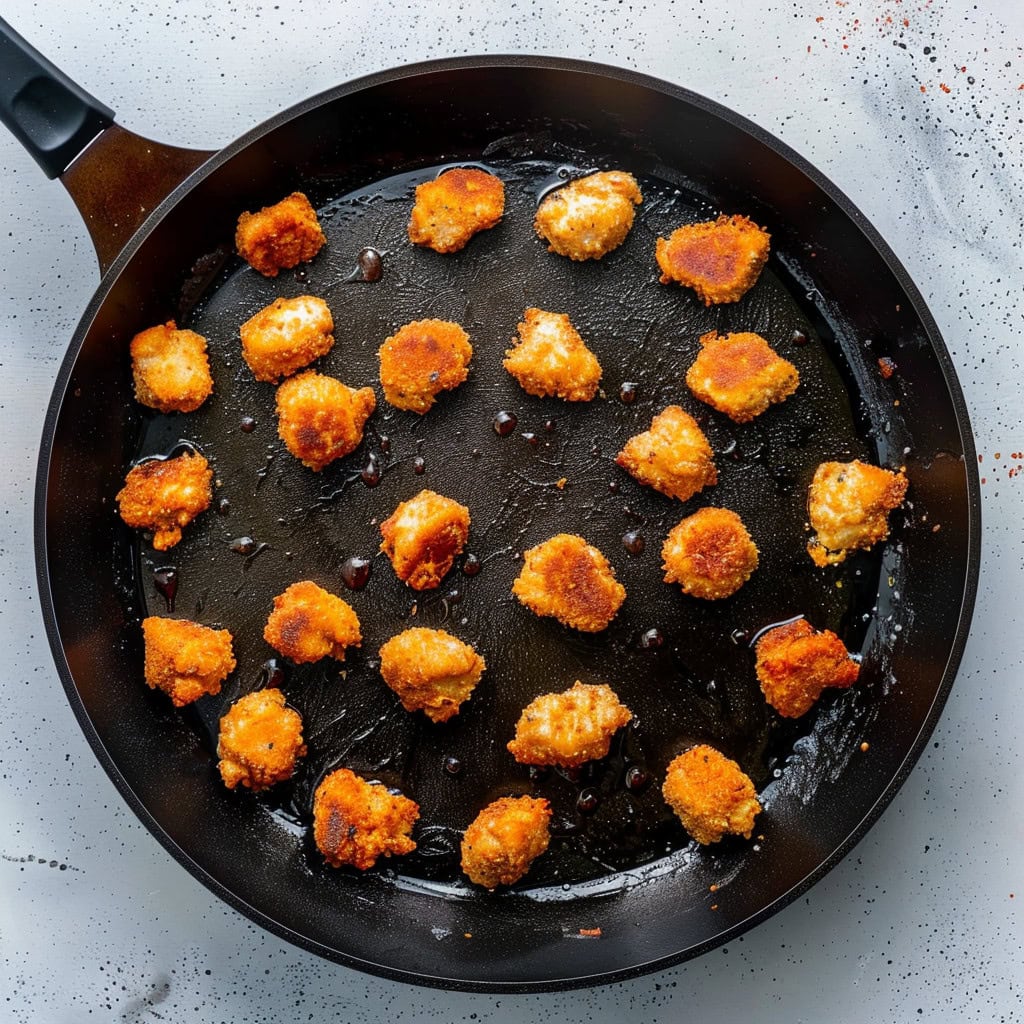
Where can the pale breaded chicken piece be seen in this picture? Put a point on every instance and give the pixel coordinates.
(171, 368)
(570, 580)
(720, 260)
(712, 795)
(589, 217)
(308, 624)
(355, 822)
(279, 236)
(320, 419)
(740, 375)
(260, 741)
(795, 663)
(848, 505)
(184, 659)
(165, 495)
(569, 728)
(673, 456)
(504, 839)
(423, 536)
(453, 207)
(287, 335)
(422, 359)
(709, 554)
(550, 358)
(431, 671)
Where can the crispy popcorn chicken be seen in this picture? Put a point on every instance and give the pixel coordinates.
(453, 207)
(165, 495)
(431, 671)
(287, 335)
(308, 624)
(185, 660)
(711, 794)
(422, 359)
(589, 217)
(569, 728)
(320, 419)
(423, 536)
(504, 839)
(673, 457)
(551, 358)
(260, 741)
(355, 822)
(279, 236)
(848, 505)
(795, 663)
(719, 259)
(740, 375)
(570, 580)
(171, 368)
(709, 554)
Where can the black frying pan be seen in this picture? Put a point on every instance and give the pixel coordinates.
(621, 891)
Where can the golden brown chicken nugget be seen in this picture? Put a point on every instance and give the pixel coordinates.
(287, 335)
(740, 375)
(453, 207)
(423, 536)
(795, 663)
(171, 368)
(422, 359)
(504, 839)
(550, 358)
(355, 822)
(165, 495)
(569, 728)
(308, 624)
(260, 741)
(589, 217)
(279, 236)
(709, 554)
(431, 671)
(185, 660)
(848, 504)
(673, 456)
(719, 259)
(712, 795)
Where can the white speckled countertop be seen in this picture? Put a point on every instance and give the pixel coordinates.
(914, 109)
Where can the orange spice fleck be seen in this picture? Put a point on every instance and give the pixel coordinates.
(712, 888)
(864, 747)
(998, 455)
(936, 527)
(820, 18)
(944, 87)
(714, 906)
(923, 89)
(560, 483)
(594, 933)
(467, 935)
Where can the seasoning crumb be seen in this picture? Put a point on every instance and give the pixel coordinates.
(945, 88)
(560, 483)
(714, 906)
(712, 888)
(936, 527)
(594, 933)
(864, 747)
(467, 935)
(886, 367)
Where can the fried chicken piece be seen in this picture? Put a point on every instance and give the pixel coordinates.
(320, 419)
(355, 822)
(504, 839)
(589, 217)
(453, 207)
(422, 359)
(709, 554)
(673, 457)
(423, 536)
(308, 624)
(185, 660)
(719, 259)
(287, 335)
(569, 728)
(260, 741)
(570, 580)
(711, 794)
(279, 236)
(171, 368)
(848, 505)
(740, 375)
(795, 663)
(431, 671)
(550, 358)
(164, 495)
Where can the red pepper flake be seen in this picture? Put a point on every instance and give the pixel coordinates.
(983, 480)
(981, 458)
(809, 50)
(964, 68)
(820, 18)
(945, 88)
(906, 23)
(923, 89)
(886, 367)
(591, 933)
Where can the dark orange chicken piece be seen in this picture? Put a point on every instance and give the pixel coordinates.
(422, 359)
(709, 554)
(171, 368)
(504, 839)
(423, 536)
(260, 740)
(279, 236)
(184, 659)
(453, 207)
(309, 623)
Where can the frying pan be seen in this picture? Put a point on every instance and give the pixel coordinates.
(621, 891)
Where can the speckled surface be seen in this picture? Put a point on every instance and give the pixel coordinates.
(914, 110)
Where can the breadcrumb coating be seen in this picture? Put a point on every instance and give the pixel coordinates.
(171, 368)
(422, 359)
(308, 624)
(504, 839)
(260, 741)
(453, 207)
(709, 554)
(287, 335)
(551, 359)
(280, 236)
(184, 659)
(423, 536)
